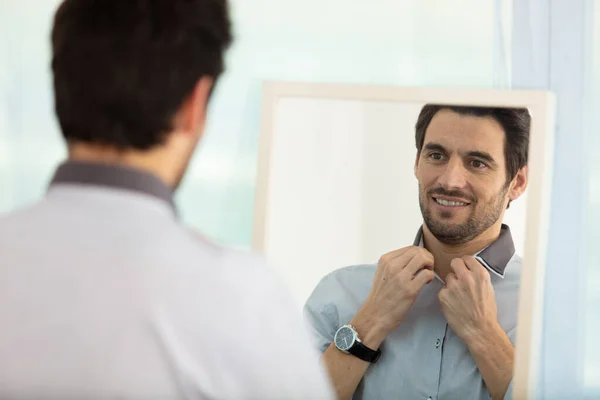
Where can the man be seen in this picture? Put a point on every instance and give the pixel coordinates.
(437, 319)
(103, 293)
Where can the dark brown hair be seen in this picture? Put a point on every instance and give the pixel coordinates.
(122, 68)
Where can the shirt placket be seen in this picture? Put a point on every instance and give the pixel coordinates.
(437, 346)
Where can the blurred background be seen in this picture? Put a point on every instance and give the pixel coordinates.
(465, 43)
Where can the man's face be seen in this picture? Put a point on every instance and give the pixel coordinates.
(462, 176)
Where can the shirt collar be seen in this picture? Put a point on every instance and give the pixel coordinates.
(113, 176)
(495, 257)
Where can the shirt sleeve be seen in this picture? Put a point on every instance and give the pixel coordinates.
(321, 316)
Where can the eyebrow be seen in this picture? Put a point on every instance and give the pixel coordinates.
(483, 155)
(435, 147)
(476, 154)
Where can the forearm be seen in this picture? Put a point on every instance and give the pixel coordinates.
(494, 355)
(345, 370)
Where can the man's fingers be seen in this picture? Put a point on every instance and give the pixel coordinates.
(392, 255)
(443, 293)
(471, 263)
(423, 277)
(450, 279)
(459, 268)
(401, 258)
(421, 260)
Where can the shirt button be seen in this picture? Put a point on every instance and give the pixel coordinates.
(438, 342)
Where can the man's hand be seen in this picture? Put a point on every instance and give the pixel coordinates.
(467, 301)
(400, 277)
(470, 309)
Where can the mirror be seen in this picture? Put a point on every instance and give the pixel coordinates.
(337, 187)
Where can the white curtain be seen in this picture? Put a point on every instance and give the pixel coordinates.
(555, 46)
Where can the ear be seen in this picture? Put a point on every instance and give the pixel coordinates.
(191, 117)
(519, 184)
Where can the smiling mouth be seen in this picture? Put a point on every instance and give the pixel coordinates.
(448, 203)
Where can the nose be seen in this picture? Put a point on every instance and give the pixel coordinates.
(454, 176)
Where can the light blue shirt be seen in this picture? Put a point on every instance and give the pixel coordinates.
(423, 358)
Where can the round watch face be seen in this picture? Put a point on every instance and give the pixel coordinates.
(344, 338)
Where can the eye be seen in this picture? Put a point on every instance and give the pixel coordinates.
(436, 156)
(478, 164)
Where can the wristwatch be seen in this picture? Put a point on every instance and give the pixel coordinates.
(346, 339)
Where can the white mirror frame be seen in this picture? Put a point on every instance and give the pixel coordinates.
(541, 152)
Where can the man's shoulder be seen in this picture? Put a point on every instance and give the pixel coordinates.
(246, 266)
(344, 284)
(238, 269)
(350, 275)
(234, 260)
(21, 212)
(512, 272)
(516, 259)
(22, 217)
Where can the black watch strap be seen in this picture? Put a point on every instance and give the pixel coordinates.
(364, 353)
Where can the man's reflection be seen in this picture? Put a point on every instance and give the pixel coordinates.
(437, 320)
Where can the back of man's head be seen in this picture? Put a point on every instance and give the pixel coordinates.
(123, 68)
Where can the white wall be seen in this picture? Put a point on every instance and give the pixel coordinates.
(342, 189)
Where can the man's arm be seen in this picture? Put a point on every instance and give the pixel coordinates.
(494, 355)
(345, 370)
(399, 278)
(469, 305)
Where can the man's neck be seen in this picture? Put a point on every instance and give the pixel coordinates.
(146, 162)
(443, 254)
